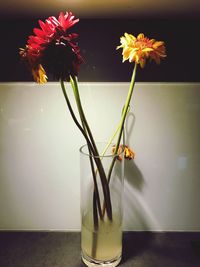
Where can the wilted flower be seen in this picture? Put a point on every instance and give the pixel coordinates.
(52, 49)
(127, 151)
(139, 49)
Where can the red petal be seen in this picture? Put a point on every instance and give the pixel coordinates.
(66, 20)
(54, 21)
(39, 32)
(35, 40)
(61, 19)
(50, 26)
(43, 25)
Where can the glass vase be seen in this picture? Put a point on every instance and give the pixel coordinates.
(102, 182)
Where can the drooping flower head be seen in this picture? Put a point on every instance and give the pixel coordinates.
(52, 49)
(128, 152)
(139, 49)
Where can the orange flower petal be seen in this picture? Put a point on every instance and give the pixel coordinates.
(139, 49)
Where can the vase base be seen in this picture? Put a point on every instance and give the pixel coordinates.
(92, 263)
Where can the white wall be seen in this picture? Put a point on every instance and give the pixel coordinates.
(39, 158)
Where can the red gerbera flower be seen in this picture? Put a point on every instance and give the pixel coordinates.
(52, 49)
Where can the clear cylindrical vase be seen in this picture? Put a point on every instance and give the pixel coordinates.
(102, 182)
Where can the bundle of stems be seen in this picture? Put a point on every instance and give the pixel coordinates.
(98, 210)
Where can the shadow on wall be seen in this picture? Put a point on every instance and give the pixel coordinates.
(137, 215)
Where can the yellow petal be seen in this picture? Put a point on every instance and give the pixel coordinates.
(129, 37)
(157, 44)
(140, 36)
(118, 47)
(147, 49)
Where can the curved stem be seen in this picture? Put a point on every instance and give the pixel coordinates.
(73, 115)
(96, 196)
(104, 182)
(74, 84)
(112, 137)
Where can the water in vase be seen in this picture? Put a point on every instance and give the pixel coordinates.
(103, 244)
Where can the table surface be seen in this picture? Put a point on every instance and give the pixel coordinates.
(62, 249)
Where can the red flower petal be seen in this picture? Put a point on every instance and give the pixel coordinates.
(44, 27)
(50, 26)
(35, 40)
(54, 21)
(66, 21)
(39, 33)
(61, 18)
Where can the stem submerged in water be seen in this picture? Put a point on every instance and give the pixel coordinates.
(95, 159)
(93, 155)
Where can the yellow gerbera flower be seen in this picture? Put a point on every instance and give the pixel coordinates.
(139, 49)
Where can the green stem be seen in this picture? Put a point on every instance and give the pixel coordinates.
(96, 197)
(121, 125)
(123, 118)
(73, 115)
(96, 193)
(110, 140)
(87, 140)
(112, 137)
(74, 84)
(105, 187)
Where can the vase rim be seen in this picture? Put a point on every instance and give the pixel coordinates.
(84, 150)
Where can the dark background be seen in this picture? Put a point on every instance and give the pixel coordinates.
(98, 39)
